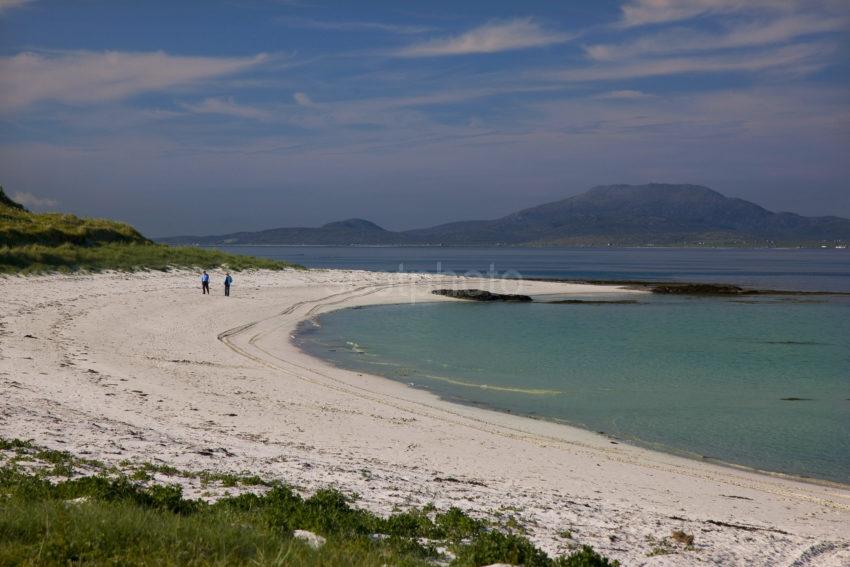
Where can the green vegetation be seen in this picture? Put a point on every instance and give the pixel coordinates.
(37, 258)
(19, 227)
(147, 470)
(108, 519)
(36, 243)
(678, 541)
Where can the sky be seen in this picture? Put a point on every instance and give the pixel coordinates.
(207, 117)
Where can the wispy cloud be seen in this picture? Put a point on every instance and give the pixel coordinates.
(88, 77)
(771, 115)
(6, 5)
(34, 201)
(355, 26)
(751, 34)
(643, 12)
(226, 106)
(799, 58)
(302, 99)
(493, 37)
(623, 95)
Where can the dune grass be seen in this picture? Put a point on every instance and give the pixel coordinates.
(38, 258)
(20, 227)
(108, 519)
(54, 242)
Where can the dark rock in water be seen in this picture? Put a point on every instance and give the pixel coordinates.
(796, 343)
(592, 302)
(481, 295)
(792, 399)
(699, 289)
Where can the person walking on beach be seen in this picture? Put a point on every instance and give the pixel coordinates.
(227, 281)
(205, 282)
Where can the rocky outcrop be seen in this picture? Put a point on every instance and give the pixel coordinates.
(700, 289)
(313, 540)
(481, 295)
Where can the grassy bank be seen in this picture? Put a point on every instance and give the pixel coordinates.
(20, 227)
(59, 510)
(38, 243)
(38, 258)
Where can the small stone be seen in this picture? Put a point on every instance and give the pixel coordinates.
(313, 540)
(77, 501)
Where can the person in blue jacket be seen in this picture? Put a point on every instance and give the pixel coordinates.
(227, 281)
(205, 282)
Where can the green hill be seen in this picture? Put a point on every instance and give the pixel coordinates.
(19, 227)
(6, 202)
(33, 243)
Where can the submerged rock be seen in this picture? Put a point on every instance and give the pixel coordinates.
(593, 301)
(699, 289)
(481, 295)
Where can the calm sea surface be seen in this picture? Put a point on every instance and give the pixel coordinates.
(763, 383)
(815, 270)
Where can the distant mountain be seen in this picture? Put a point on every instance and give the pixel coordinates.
(351, 231)
(618, 215)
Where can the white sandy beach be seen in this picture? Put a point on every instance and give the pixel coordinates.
(142, 367)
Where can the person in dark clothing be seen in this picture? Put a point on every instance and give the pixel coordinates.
(227, 281)
(205, 282)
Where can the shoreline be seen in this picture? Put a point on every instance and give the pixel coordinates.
(131, 367)
(634, 442)
(162, 240)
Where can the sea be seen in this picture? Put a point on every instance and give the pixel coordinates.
(761, 382)
(792, 269)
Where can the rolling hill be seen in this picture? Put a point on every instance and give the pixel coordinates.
(617, 215)
(351, 231)
(49, 242)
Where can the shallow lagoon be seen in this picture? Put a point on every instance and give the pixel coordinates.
(763, 383)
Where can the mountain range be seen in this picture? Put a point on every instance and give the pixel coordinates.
(655, 214)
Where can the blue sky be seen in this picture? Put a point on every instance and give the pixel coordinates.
(209, 117)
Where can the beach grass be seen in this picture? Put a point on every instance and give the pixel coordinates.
(39, 258)
(107, 518)
(20, 227)
(32, 243)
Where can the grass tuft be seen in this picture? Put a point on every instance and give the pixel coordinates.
(682, 537)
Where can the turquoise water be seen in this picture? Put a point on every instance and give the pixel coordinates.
(700, 376)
